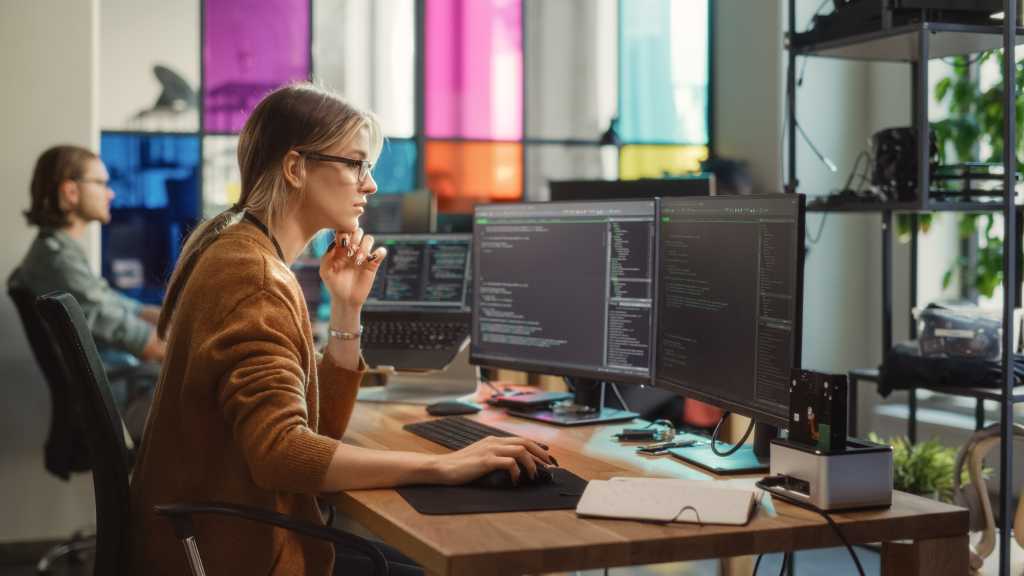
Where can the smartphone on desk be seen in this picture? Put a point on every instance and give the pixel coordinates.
(530, 401)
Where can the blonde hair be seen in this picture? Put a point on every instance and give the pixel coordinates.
(300, 117)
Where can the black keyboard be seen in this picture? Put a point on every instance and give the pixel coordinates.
(453, 432)
(414, 334)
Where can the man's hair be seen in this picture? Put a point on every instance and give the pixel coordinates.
(53, 168)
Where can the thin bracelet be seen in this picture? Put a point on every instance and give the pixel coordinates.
(342, 335)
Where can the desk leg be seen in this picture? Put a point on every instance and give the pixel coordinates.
(932, 557)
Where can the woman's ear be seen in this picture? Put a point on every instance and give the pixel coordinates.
(68, 195)
(293, 169)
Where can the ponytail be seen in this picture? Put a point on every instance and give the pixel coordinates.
(198, 241)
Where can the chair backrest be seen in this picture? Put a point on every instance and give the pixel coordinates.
(972, 454)
(65, 450)
(91, 390)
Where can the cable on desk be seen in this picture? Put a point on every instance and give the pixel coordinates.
(823, 514)
(738, 445)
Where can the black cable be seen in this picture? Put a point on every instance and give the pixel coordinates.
(737, 446)
(618, 395)
(821, 228)
(826, 516)
(785, 561)
(756, 564)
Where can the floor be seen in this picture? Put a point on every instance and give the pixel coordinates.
(831, 561)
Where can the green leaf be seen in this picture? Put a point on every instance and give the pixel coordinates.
(942, 88)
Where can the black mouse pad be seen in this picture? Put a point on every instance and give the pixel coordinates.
(561, 494)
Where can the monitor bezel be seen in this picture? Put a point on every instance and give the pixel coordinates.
(477, 359)
(757, 413)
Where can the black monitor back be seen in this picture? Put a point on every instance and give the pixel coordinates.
(700, 185)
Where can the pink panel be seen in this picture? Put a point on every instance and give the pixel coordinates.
(474, 69)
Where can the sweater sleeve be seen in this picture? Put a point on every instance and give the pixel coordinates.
(338, 389)
(263, 396)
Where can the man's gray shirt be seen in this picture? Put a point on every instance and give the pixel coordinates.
(56, 261)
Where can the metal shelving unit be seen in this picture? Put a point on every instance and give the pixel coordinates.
(916, 44)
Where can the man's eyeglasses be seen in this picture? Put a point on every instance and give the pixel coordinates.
(100, 181)
(364, 166)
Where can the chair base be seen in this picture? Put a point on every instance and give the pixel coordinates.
(72, 549)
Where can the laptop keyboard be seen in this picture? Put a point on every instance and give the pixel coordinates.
(414, 334)
(453, 432)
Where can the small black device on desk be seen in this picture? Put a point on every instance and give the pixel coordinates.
(451, 408)
(817, 410)
(531, 401)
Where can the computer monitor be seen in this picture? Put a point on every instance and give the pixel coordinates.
(428, 272)
(565, 288)
(698, 185)
(728, 307)
(412, 212)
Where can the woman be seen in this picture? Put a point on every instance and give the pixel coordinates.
(245, 412)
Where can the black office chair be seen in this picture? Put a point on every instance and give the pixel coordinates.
(65, 451)
(90, 389)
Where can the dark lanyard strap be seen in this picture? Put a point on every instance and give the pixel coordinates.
(263, 228)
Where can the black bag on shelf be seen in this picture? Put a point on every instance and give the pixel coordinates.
(905, 368)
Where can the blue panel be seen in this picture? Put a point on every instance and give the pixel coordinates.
(396, 168)
(155, 179)
(663, 80)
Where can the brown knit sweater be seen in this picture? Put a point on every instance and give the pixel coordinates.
(239, 417)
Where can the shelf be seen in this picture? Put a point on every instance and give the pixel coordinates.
(902, 43)
(870, 207)
(994, 394)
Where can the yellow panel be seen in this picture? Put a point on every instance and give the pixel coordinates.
(647, 161)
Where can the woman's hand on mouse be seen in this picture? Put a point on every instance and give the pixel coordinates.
(491, 453)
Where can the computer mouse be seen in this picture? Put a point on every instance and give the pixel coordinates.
(451, 408)
(502, 479)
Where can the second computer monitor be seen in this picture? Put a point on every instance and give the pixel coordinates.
(564, 288)
(729, 300)
(422, 272)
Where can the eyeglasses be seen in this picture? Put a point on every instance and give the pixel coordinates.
(364, 166)
(100, 181)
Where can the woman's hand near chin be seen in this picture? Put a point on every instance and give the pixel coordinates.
(349, 267)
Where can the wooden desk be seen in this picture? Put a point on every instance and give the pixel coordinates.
(537, 542)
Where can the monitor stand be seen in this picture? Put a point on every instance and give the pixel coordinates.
(587, 408)
(455, 381)
(748, 459)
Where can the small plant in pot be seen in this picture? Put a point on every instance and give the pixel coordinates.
(925, 468)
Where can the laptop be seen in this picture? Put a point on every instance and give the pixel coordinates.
(418, 314)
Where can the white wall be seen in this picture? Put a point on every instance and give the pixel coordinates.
(136, 35)
(842, 270)
(48, 59)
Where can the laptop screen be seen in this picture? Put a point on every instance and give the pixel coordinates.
(428, 272)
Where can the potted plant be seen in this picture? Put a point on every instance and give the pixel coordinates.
(925, 468)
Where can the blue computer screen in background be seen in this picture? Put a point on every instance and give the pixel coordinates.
(155, 178)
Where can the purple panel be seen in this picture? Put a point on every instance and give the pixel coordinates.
(474, 69)
(250, 47)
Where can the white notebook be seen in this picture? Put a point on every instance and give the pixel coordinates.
(668, 500)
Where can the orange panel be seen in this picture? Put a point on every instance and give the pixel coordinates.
(462, 174)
